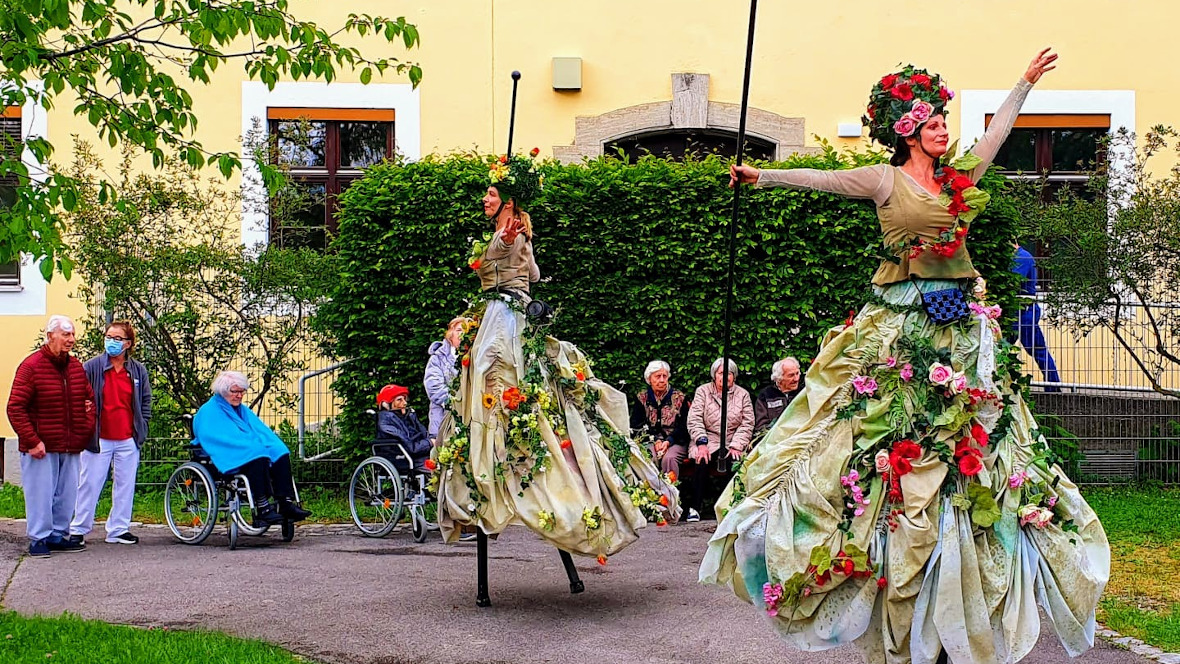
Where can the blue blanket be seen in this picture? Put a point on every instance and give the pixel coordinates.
(234, 436)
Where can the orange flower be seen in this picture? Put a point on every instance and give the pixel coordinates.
(565, 444)
(466, 361)
(489, 400)
(430, 465)
(602, 560)
(664, 501)
(534, 152)
(513, 398)
(580, 376)
(661, 523)
(503, 159)
(671, 475)
(476, 263)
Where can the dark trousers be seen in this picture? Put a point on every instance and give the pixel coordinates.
(700, 483)
(1028, 326)
(270, 479)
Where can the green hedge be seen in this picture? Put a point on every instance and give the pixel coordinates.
(633, 256)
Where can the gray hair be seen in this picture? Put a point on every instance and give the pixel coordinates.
(227, 380)
(58, 323)
(654, 366)
(776, 372)
(733, 370)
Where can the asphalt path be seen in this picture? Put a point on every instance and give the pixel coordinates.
(335, 596)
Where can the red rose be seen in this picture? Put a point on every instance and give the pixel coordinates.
(948, 174)
(901, 465)
(565, 444)
(849, 567)
(908, 449)
(970, 465)
(966, 448)
(944, 94)
(979, 434)
(921, 79)
(851, 316)
(888, 81)
(961, 232)
(430, 465)
(962, 182)
(903, 92)
(602, 560)
(872, 112)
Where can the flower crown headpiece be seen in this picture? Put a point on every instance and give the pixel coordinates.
(903, 101)
(517, 177)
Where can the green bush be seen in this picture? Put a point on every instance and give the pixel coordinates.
(632, 255)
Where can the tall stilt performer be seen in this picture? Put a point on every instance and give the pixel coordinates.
(533, 436)
(905, 501)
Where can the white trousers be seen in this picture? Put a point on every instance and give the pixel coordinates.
(49, 485)
(124, 456)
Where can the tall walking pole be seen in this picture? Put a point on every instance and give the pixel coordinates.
(512, 113)
(733, 224)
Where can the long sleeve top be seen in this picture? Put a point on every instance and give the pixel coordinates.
(905, 208)
(1024, 265)
(508, 266)
(704, 418)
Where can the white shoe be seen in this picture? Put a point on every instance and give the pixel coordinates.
(693, 516)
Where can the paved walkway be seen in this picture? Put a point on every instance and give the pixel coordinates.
(338, 597)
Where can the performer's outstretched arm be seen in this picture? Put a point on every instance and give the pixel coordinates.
(864, 182)
(1001, 125)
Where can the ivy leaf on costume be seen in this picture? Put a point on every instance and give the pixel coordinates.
(976, 199)
(821, 557)
(965, 163)
(856, 555)
(984, 510)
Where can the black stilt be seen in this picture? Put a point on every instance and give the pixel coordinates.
(576, 585)
(481, 584)
(942, 658)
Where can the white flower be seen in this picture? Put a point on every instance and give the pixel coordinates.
(881, 461)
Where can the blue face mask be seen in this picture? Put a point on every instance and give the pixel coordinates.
(114, 348)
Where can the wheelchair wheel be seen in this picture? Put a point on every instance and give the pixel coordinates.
(190, 503)
(375, 496)
(239, 513)
(231, 526)
(288, 530)
(420, 525)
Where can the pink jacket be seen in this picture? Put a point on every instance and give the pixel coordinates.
(704, 418)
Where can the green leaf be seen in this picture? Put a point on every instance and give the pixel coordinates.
(984, 510)
(966, 163)
(821, 557)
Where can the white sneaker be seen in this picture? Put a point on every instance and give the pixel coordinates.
(693, 516)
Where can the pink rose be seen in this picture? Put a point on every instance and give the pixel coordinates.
(1017, 480)
(864, 384)
(906, 126)
(940, 374)
(891, 362)
(1052, 501)
(907, 372)
(881, 461)
(958, 383)
(921, 111)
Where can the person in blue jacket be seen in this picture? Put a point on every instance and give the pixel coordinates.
(397, 421)
(1028, 328)
(237, 441)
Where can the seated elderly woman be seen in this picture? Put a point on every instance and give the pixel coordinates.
(663, 410)
(238, 442)
(704, 428)
(786, 382)
(397, 421)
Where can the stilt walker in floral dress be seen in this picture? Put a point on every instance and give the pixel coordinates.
(905, 501)
(534, 437)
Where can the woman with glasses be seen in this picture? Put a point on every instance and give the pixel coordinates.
(123, 404)
(237, 441)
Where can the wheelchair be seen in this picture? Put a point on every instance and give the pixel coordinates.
(198, 495)
(386, 484)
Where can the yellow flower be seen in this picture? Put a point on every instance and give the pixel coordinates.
(546, 520)
(489, 400)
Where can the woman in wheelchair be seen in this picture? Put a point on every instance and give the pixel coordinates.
(398, 423)
(237, 441)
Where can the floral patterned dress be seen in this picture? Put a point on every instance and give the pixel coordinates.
(533, 437)
(905, 501)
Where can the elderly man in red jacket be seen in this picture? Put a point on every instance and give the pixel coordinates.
(51, 408)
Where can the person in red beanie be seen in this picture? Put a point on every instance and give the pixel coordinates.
(397, 421)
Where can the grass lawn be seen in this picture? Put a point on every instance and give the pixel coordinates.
(71, 640)
(1143, 597)
(327, 505)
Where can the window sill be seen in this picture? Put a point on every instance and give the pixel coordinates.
(11, 288)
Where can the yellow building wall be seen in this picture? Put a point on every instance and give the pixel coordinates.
(813, 60)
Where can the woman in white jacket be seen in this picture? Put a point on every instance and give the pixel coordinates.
(440, 371)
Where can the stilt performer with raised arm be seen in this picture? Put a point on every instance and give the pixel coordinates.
(904, 501)
(533, 437)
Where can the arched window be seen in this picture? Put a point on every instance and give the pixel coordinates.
(678, 143)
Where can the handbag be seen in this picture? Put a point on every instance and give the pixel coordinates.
(945, 306)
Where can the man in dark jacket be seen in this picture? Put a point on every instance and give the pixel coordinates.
(786, 383)
(397, 421)
(123, 406)
(51, 408)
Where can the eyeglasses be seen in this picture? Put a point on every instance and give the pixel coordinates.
(237, 391)
(117, 338)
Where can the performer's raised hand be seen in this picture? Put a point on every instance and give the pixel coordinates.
(743, 174)
(1042, 63)
(511, 230)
